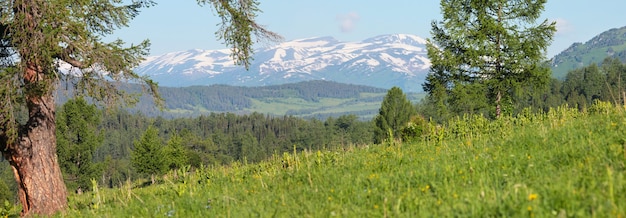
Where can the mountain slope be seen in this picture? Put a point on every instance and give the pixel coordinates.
(611, 43)
(307, 99)
(383, 61)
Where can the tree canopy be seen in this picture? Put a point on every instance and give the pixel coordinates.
(147, 155)
(483, 52)
(45, 41)
(395, 112)
(77, 139)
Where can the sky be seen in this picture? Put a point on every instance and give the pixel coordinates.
(179, 25)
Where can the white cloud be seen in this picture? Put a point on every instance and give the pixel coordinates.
(563, 26)
(347, 22)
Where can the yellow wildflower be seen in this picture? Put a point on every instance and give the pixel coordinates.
(532, 197)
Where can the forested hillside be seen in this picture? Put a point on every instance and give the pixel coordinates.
(611, 43)
(311, 99)
(218, 139)
(225, 98)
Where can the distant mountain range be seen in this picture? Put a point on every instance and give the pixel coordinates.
(383, 61)
(275, 82)
(611, 43)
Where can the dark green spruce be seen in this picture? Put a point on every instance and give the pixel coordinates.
(78, 137)
(395, 112)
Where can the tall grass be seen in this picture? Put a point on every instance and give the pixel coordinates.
(561, 163)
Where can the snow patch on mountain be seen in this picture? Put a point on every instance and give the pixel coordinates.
(382, 61)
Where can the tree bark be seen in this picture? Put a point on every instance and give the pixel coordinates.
(33, 156)
(498, 109)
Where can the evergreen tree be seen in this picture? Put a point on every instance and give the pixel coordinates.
(147, 156)
(77, 139)
(595, 83)
(395, 112)
(615, 71)
(605, 83)
(175, 153)
(485, 51)
(43, 33)
(573, 89)
(436, 102)
(248, 147)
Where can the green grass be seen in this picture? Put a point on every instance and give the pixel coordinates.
(304, 108)
(195, 109)
(280, 106)
(563, 163)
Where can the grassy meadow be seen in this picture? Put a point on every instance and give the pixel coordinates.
(563, 163)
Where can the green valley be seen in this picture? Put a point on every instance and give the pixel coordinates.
(311, 99)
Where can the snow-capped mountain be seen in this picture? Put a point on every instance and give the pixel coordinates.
(383, 61)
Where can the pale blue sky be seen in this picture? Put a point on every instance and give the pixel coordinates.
(177, 25)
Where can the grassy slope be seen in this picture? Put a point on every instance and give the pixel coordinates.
(558, 164)
(325, 106)
(593, 51)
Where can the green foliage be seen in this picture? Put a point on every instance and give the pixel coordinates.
(174, 153)
(10, 210)
(77, 139)
(249, 148)
(238, 27)
(606, 82)
(216, 139)
(415, 129)
(72, 32)
(147, 156)
(559, 163)
(8, 186)
(484, 51)
(395, 112)
(44, 34)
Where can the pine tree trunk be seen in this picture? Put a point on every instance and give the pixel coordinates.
(34, 159)
(498, 108)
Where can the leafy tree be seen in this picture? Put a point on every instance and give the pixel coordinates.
(395, 112)
(486, 50)
(77, 139)
(46, 34)
(147, 155)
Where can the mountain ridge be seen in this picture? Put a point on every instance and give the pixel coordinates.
(382, 61)
(610, 43)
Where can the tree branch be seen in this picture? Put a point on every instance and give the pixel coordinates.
(65, 56)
